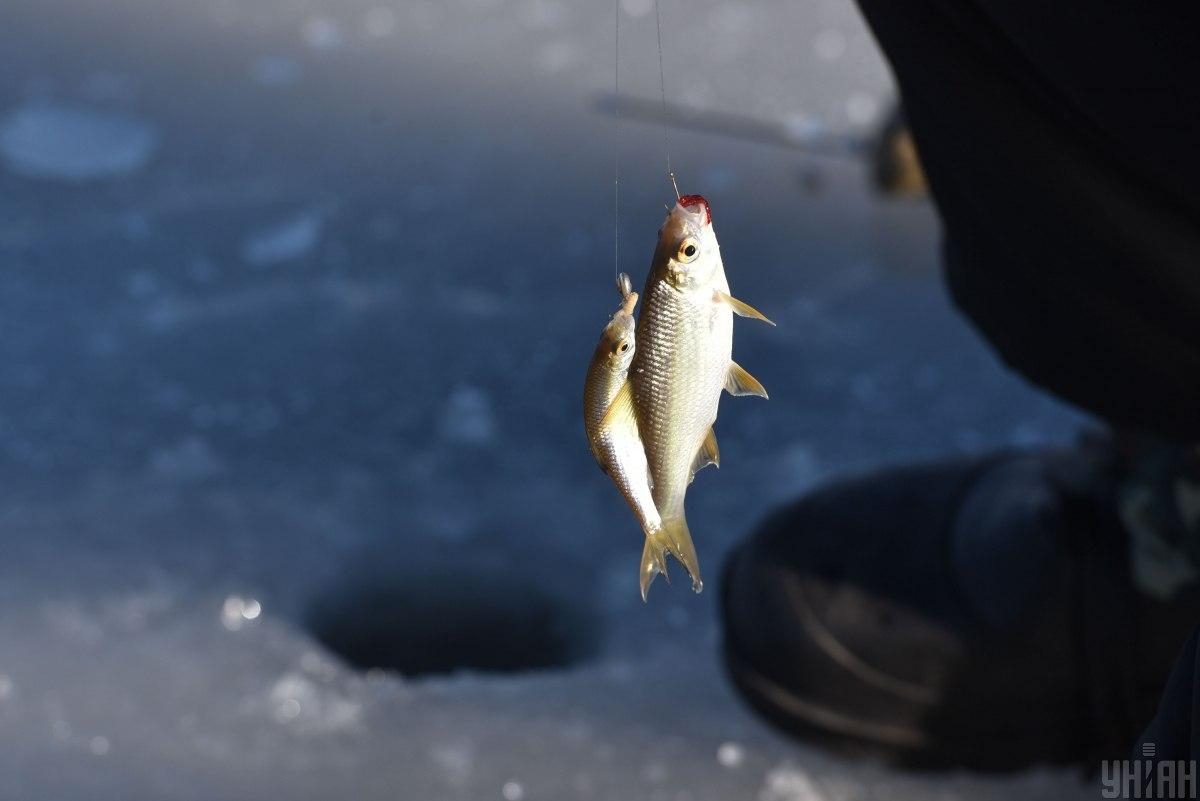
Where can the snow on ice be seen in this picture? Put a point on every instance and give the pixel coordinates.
(283, 241)
(69, 143)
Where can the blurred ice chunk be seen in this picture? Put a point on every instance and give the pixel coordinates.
(283, 241)
(142, 284)
(109, 87)
(829, 45)
(455, 760)
(787, 783)
(796, 470)
(637, 8)
(321, 33)
(135, 226)
(237, 611)
(698, 95)
(425, 197)
(557, 56)
(201, 270)
(379, 22)
(730, 755)
(275, 71)
(512, 791)
(251, 609)
(189, 460)
(317, 665)
(861, 108)
(803, 128)
(719, 178)
(468, 416)
(74, 144)
(655, 773)
(311, 708)
(731, 19)
(542, 14)
(678, 617)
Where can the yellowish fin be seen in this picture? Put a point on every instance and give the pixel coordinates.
(740, 308)
(621, 410)
(675, 539)
(654, 561)
(739, 382)
(708, 454)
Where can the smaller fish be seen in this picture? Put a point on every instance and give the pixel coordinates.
(611, 424)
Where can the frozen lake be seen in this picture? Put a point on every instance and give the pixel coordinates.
(296, 299)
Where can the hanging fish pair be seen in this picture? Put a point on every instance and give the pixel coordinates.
(653, 386)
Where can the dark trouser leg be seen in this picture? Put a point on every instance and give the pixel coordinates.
(1060, 144)
(986, 613)
(1074, 247)
(1175, 730)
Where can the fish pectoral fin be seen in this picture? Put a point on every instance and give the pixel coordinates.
(739, 308)
(738, 382)
(708, 454)
(710, 448)
(620, 411)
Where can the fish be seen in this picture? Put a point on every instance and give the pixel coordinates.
(684, 360)
(610, 422)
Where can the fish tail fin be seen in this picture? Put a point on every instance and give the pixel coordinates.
(654, 561)
(673, 538)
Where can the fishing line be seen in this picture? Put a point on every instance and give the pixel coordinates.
(617, 142)
(662, 85)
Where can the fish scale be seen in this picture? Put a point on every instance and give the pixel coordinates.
(685, 340)
(683, 357)
(611, 424)
(649, 419)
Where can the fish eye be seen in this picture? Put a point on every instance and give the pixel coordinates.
(689, 249)
(624, 347)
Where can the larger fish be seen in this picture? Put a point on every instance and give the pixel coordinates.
(610, 422)
(683, 362)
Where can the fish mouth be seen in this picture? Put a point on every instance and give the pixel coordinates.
(621, 326)
(697, 205)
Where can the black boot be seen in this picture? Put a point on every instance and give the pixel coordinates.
(977, 613)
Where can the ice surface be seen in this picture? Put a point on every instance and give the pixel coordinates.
(275, 70)
(70, 143)
(379, 21)
(297, 397)
(468, 417)
(283, 241)
(321, 33)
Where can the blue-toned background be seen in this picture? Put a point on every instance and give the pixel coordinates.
(296, 298)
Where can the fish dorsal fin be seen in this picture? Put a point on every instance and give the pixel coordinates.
(708, 454)
(739, 308)
(620, 411)
(739, 382)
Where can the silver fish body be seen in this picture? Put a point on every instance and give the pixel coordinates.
(611, 422)
(683, 362)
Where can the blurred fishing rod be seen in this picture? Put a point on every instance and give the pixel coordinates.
(888, 150)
